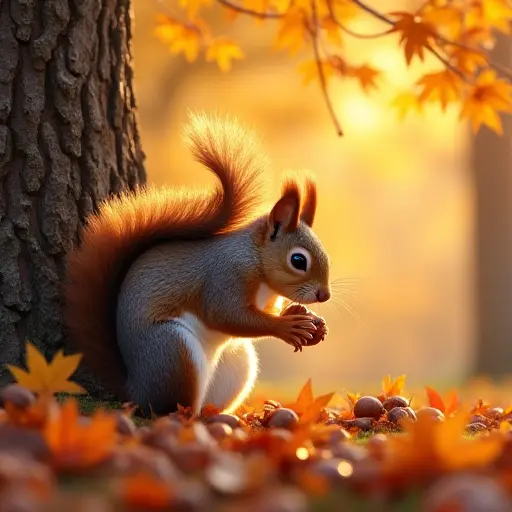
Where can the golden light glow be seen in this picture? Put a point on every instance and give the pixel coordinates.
(345, 469)
(363, 113)
(302, 453)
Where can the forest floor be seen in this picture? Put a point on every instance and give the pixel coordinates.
(388, 451)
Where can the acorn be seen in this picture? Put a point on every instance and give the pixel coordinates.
(395, 401)
(283, 418)
(229, 419)
(432, 412)
(220, 430)
(321, 327)
(368, 407)
(17, 395)
(398, 415)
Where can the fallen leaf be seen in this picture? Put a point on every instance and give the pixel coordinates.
(146, 491)
(44, 377)
(75, 444)
(392, 387)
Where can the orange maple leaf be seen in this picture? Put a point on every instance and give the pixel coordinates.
(146, 491)
(186, 38)
(416, 34)
(467, 60)
(392, 387)
(428, 447)
(366, 75)
(332, 30)
(223, 51)
(489, 96)
(443, 86)
(47, 378)
(292, 31)
(307, 406)
(448, 19)
(33, 416)
(447, 406)
(75, 444)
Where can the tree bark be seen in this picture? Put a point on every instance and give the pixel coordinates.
(68, 138)
(492, 167)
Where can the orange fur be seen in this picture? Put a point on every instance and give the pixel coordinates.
(291, 193)
(126, 226)
(310, 201)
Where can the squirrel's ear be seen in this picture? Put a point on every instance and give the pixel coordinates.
(308, 211)
(285, 214)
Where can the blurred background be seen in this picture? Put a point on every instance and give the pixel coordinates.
(398, 203)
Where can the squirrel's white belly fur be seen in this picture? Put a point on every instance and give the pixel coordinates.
(207, 345)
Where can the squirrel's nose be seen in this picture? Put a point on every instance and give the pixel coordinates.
(323, 295)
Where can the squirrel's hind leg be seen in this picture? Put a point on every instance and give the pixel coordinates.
(169, 368)
(234, 376)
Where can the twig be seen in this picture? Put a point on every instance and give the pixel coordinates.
(250, 12)
(323, 82)
(448, 64)
(349, 31)
(373, 12)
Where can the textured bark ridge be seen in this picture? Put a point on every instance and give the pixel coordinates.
(68, 138)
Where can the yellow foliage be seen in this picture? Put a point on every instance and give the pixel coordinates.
(457, 34)
(42, 377)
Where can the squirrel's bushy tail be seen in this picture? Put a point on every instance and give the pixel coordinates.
(126, 226)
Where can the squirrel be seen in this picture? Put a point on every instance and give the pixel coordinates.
(168, 287)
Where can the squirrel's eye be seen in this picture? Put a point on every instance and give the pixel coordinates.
(299, 260)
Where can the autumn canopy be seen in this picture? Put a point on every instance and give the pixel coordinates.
(459, 34)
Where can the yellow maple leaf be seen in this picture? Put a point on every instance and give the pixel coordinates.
(393, 387)
(309, 71)
(332, 30)
(223, 51)
(167, 28)
(447, 19)
(489, 96)
(292, 31)
(42, 377)
(187, 42)
(490, 14)
(404, 103)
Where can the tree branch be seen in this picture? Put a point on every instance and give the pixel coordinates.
(250, 12)
(323, 82)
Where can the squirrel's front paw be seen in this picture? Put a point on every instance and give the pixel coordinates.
(321, 327)
(297, 330)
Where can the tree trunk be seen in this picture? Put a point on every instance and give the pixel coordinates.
(492, 167)
(68, 138)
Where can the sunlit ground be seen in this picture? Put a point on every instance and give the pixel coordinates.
(395, 201)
